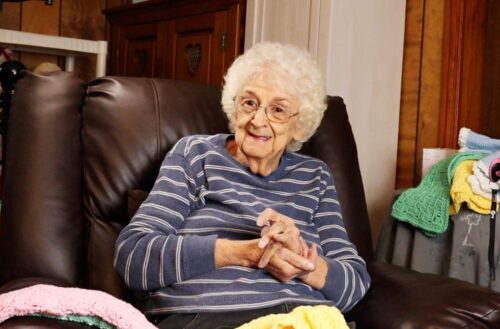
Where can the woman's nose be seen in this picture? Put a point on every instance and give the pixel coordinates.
(260, 117)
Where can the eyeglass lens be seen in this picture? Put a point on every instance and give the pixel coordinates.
(275, 113)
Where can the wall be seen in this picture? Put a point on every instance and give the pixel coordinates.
(365, 66)
(359, 45)
(304, 23)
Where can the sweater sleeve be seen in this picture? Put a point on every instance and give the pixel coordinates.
(347, 279)
(149, 252)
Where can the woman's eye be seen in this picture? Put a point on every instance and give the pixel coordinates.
(249, 103)
(279, 110)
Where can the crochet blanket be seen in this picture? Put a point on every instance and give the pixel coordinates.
(302, 317)
(427, 206)
(91, 307)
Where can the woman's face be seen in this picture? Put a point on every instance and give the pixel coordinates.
(256, 136)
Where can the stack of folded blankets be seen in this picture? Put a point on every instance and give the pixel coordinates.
(462, 178)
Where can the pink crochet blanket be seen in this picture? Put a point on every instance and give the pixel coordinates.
(52, 300)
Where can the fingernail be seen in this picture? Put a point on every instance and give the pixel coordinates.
(262, 244)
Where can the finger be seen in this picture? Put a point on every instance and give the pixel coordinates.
(290, 240)
(282, 270)
(304, 248)
(269, 253)
(313, 253)
(288, 229)
(269, 234)
(295, 260)
(265, 230)
(265, 217)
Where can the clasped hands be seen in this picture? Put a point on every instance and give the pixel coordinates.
(286, 254)
(280, 250)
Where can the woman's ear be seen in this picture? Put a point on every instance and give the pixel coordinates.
(234, 116)
(299, 133)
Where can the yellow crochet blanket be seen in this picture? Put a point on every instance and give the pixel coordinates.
(302, 317)
(461, 191)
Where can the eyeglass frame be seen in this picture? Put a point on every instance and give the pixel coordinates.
(237, 106)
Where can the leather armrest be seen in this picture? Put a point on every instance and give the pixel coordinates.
(30, 281)
(402, 298)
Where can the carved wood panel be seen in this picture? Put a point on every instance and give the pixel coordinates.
(194, 49)
(191, 40)
(139, 51)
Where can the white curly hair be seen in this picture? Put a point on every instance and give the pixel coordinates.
(302, 77)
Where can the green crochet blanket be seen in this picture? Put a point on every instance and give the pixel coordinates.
(84, 319)
(427, 206)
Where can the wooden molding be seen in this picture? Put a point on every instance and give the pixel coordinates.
(462, 68)
(451, 73)
(420, 89)
(491, 86)
(410, 90)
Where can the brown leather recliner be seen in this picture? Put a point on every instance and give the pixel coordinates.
(75, 152)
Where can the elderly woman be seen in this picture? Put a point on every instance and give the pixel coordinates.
(239, 226)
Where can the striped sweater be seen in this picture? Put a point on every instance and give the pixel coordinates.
(202, 193)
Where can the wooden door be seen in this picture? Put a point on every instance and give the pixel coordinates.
(140, 50)
(195, 49)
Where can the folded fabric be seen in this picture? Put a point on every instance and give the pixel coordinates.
(461, 192)
(302, 317)
(470, 141)
(488, 160)
(427, 206)
(479, 180)
(479, 183)
(72, 304)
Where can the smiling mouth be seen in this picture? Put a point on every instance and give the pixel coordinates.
(260, 138)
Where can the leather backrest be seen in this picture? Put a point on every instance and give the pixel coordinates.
(334, 143)
(129, 124)
(66, 166)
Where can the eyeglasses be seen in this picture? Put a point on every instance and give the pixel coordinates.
(274, 113)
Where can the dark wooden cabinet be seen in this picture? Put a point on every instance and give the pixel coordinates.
(184, 39)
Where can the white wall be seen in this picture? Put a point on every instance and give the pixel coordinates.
(305, 23)
(359, 45)
(365, 67)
